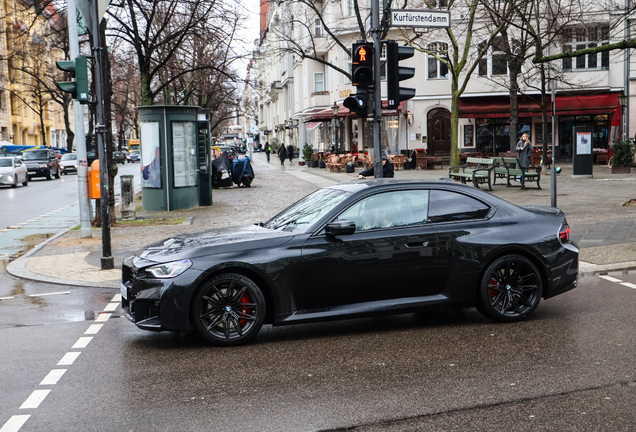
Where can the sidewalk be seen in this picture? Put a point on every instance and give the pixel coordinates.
(602, 226)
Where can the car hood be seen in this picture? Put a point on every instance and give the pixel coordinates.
(6, 170)
(215, 241)
(68, 162)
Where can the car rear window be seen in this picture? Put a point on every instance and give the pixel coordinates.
(449, 206)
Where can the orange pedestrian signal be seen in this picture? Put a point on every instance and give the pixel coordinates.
(363, 54)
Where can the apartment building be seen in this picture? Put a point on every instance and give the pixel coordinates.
(296, 92)
(28, 116)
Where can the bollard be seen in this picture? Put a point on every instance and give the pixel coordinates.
(127, 198)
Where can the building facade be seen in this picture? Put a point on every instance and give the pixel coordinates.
(296, 92)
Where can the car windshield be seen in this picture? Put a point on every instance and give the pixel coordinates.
(35, 154)
(69, 157)
(5, 162)
(303, 215)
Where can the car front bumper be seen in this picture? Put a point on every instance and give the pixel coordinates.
(68, 168)
(156, 304)
(4, 180)
(38, 171)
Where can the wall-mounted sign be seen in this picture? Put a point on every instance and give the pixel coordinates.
(419, 18)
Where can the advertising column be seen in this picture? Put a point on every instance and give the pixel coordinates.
(582, 159)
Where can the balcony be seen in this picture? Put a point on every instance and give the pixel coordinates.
(321, 98)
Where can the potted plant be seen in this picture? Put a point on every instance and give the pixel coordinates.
(321, 161)
(349, 166)
(308, 152)
(314, 161)
(623, 157)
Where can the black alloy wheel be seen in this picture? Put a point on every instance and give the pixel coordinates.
(510, 289)
(48, 174)
(228, 310)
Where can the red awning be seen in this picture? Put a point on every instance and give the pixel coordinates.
(326, 114)
(312, 125)
(499, 106)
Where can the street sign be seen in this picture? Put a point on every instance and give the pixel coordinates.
(85, 7)
(419, 18)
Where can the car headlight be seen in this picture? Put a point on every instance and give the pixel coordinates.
(169, 270)
(42, 165)
(75, 166)
(9, 178)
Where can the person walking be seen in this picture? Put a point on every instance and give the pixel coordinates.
(290, 152)
(387, 170)
(268, 150)
(282, 154)
(524, 148)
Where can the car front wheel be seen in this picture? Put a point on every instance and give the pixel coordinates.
(510, 289)
(57, 173)
(26, 181)
(228, 310)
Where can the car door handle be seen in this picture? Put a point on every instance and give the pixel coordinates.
(416, 245)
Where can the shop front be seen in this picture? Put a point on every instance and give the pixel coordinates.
(601, 111)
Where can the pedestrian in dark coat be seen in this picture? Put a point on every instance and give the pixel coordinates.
(268, 150)
(524, 147)
(290, 152)
(282, 154)
(387, 170)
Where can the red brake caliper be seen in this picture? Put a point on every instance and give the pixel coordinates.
(244, 300)
(491, 291)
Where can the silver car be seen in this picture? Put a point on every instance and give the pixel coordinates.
(68, 163)
(12, 172)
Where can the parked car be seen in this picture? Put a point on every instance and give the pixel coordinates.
(41, 163)
(69, 163)
(134, 156)
(350, 250)
(13, 172)
(119, 157)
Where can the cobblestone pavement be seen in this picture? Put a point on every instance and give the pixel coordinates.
(602, 225)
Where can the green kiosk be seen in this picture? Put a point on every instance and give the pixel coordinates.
(175, 157)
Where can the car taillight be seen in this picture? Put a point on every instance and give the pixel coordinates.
(564, 233)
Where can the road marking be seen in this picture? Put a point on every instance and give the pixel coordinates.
(15, 423)
(6, 298)
(103, 317)
(110, 307)
(94, 328)
(68, 359)
(35, 399)
(53, 377)
(82, 342)
(117, 298)
(611, 279)
(627, 284)
(49, 294)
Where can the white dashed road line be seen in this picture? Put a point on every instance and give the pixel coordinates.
(49, 294)
(35, 399)
(627, 284)
(611, 279)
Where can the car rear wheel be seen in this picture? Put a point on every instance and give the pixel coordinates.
(228, 310)
(510, 289)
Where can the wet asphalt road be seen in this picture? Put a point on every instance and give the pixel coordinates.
(568, 368)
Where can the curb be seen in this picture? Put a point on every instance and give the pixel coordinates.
(17, 268)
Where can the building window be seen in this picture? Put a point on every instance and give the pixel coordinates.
(495, 61)
(437, 69)
(577, 38)
(437, 4)
(383, 63)
(317, 28)
(348, 8)
(319, 81)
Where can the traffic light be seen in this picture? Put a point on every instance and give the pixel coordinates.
(396, 73)
(361, 77)
(78, 69)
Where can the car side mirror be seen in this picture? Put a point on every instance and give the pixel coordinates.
(340, 227)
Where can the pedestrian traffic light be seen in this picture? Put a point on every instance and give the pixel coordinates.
(78, 69)
(396, 73)
(361, 77)
(362, 65)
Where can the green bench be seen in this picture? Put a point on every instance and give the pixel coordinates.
(511, 169)
(477, 170)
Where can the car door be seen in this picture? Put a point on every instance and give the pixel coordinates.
(391, 255)
(462, 224)
(20, 170)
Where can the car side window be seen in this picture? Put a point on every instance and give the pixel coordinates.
(388, 209)
(448, 206)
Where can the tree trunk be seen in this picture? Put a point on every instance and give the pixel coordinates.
(514, 104)
(454, 146)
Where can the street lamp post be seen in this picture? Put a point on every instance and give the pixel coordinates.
(334, 111)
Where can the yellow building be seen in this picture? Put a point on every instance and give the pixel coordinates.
(28, 116)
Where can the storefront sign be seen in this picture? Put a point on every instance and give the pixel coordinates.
(419, 18)
(345, 93)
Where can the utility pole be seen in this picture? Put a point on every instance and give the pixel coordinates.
(100, 128)
(80, 135)
(377, 90)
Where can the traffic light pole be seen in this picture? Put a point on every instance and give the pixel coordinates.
(80, 135)
(377, 90)
(107, 258)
